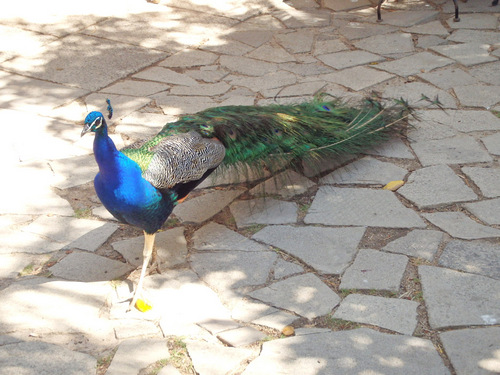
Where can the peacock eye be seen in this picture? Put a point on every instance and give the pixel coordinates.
(231, 133)
(278, 132)
(97, 123)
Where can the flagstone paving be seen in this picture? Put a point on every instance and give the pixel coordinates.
(371, 280)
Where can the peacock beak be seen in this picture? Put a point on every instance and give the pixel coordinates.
(86, 129)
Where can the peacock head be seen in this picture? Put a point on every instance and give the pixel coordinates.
(93, 122)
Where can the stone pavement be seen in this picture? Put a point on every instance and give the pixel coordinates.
(373, 281)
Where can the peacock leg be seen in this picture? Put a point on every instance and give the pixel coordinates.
(149, 240)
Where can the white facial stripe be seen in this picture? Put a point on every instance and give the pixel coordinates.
(97, 122)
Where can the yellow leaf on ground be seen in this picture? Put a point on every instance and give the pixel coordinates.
(394, 185)
(288, 331)
(142, 305)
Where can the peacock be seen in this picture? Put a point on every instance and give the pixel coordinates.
(141, 183)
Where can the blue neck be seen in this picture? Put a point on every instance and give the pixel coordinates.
(106, 154)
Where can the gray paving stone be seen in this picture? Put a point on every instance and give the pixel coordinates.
(474, 21)
(354, 352)
(456, 150)
(459, 299)
(265, 82)
(339, 5)
(77, 110)
(20, 198)
(416, 63)
(8, 339)
(327, 250)
(393, 148)
(16, 97)
(276, 320)
(366, 171)
(459, 225)
(170, 245)
(176, 297)
(467, 54)
(50, 306)
(475, 36)
(426, 41)
(81, 234)
(421, 243)
(464, 120)
(215, 326)
(427, 127)
(205, 206)
(139, 125)
(436, 186)
(207, 73)
(169, 370)
(132, 328)
(478, 257)
(233, 269)
(358, 77)
(365, 207)
(74, 171)
(303, 18)
(406, 19)
(430, 28)
(399, 315)
(27, 142)
(358, 30)
(310, 331)
(16, 241)
(283, 269)
(213, 236)
(479, 95)
(215, 359)
(27, 42)
(448, 78)
(247, 310)
(488, 211)
(189, 58)
(308, 89)
(241, 336)
(286, 184)
(177, 105)
(10, 221)
(135, 88)
(487, 179)
(413, 92)
(203, 89)
(323, 47)
(271, 53)
(473, 351)
(305, 70)
(103, 213)
(263, 211)
(486, 72)
(254, 38)
(341, 60)
(89, 267)
(304, 295)
(373, 269)
(324, 164)
(69, 54)
(229, 47)
(36, 357)
(247, 66)
(164, 75)
(12, 264)
(387, 44)
(135, 354)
